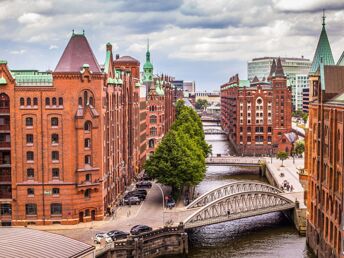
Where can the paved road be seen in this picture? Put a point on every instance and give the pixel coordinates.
(150, 212)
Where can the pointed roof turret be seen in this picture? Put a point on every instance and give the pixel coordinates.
(148, 66)
(255, 79)
(272, 69)
(77, 53)
(323, 53)
(279, 68)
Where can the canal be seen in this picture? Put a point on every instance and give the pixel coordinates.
(270, 235)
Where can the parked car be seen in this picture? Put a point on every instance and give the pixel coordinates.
(136, 194)
(117, 234)
(144, 184)
(138, 229)
(99, 236)
(146, 177)
(131, 200)
(141, 191)
(170, 203)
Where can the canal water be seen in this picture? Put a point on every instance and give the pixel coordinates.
(271, 235)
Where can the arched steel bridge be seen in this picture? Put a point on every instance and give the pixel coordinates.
(233, 201)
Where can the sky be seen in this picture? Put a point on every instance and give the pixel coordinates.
(207, 41)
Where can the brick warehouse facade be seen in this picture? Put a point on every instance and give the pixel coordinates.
(70, 140)
(324, 155)
(257, 114)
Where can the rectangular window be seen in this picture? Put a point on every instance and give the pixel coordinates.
(56, 191)
(56, 172)
(30, 191)
(31, 209)
(56, 209)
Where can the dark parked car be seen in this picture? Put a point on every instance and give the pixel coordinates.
(146, 177)
(170, 203)
(117, 234)
(144, 184)
(131, 200)
(136, 194)
(141, 191)
(138, 229)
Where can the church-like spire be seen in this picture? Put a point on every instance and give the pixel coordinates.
(148, 66)
(323, 53)
(279, 68)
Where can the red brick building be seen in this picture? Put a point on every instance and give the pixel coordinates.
(160, 104)
(324, 155)
(70, 139)
(256, 114)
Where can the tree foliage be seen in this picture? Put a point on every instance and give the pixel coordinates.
(282, 155)
(201, 104)
(179, 159)
(299, 147)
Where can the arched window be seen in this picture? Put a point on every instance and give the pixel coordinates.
(54, 121)
(22, 101)
(152, 119)
(88, 160)
(60, 101)
(87, 143)
(153, 131)
(4, 101)
(29, 121)
(35, 101)
(151, 143)
(30, 173)
(80, 101)
(55, 155)
(54, 138)
(53, 101)
(87, 193)
(47, 101)
(29, 156)
(28, 101)
(85, 97)
(88, 126)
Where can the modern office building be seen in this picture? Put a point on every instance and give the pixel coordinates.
(257, 114)
(324, 156)
(305, 100)
(295, 69)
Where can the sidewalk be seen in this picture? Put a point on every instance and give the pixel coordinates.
(290, 174)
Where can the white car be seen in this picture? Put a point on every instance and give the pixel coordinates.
(99, 236)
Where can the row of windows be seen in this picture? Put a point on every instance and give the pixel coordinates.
(55, 155)
(53, 101)
(55, 209)
(47, 101)
(55, 140)
(31, 191)
(30, 173)
(54, 121)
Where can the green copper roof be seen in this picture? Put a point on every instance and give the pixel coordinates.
(118, 79)
(3, 62)
(148, 66)
(244, 83)
(323, 53)
(3, 81)
(159, 90)
(32, 78)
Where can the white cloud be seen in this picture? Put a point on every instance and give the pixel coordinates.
(18, 52)
(51, 47)
(29, 18)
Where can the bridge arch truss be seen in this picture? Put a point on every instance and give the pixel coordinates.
(238, 206)
(230, 189)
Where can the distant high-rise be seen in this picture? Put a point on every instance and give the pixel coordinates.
(296, 70)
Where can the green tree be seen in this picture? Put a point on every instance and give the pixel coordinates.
(299, 148)
(282, 155)
(179, 105)
(304, 117)
(177, 162)
(201, 104)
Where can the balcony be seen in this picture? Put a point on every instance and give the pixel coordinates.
(88, 184)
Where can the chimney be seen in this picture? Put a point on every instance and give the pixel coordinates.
(117, 56)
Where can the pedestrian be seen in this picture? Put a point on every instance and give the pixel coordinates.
(291, 188)
(228, 213)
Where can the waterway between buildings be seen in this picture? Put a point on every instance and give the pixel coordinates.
(270, 235)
